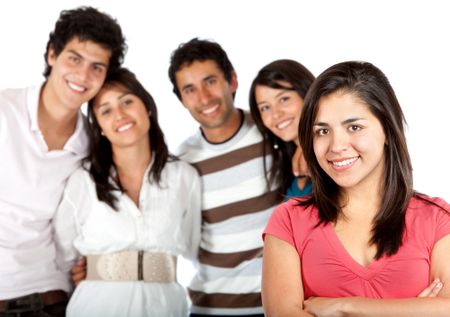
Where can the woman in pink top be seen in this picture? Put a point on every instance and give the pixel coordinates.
(365, 243)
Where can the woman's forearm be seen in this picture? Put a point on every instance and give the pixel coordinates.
(410, 307)
(283, 312)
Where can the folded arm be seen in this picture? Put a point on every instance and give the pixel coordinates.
(282, 289)
(432, 302)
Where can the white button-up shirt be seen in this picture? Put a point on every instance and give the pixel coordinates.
(167, 220)
(32, 181)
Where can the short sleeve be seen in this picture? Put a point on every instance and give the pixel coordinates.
(442, 217)
(280, 223)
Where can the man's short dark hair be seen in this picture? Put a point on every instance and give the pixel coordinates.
(87, 24)
(198, 50)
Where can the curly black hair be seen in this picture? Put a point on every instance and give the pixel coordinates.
(87, 24)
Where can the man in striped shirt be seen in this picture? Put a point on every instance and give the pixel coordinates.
(237, 200)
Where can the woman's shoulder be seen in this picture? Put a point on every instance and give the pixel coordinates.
(179, 172)
(293, 221)
(298, 209)
(422, 204)
(429, 216)
(81, 174)
(79, 186)
(428, 212)
(299, 203)
(181, 166)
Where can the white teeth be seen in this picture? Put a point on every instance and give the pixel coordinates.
(124, 127)
(76, 87)
(210, 110)
(345, 162)
(284, 124)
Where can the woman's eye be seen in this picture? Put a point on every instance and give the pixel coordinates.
(322, 131)
(284, 99)
(354, 128)
(264, 108)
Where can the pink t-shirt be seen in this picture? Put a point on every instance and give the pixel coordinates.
(329, 271)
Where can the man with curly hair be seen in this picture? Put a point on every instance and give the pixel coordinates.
(43, 139)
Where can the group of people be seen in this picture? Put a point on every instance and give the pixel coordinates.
(352, 237)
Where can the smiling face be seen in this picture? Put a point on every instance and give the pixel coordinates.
(349, 141)
(77, 74)
(122, 117)
(280, 110)
(206, 93)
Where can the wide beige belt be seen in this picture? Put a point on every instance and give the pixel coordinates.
(132, 266)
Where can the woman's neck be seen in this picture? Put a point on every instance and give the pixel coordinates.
(358, 203)
(366, 196)
(131, 164)
(132, 160)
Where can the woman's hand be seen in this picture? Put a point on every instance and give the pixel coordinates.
(333, 307)
(432, 290)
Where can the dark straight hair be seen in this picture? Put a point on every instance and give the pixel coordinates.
(101, 156)
(299, 79)
(371, 86)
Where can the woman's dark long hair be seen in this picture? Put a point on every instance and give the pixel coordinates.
(371, 86)
(272, 75)
(101, 156)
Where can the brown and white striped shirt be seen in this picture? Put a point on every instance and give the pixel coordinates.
(236, 205)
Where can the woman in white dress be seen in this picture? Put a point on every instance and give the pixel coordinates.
(131, 208)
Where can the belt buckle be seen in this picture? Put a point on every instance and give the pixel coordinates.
(32, 302)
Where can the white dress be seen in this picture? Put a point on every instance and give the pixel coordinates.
(167, 221)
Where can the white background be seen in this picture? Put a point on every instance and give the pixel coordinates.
(407, 40)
